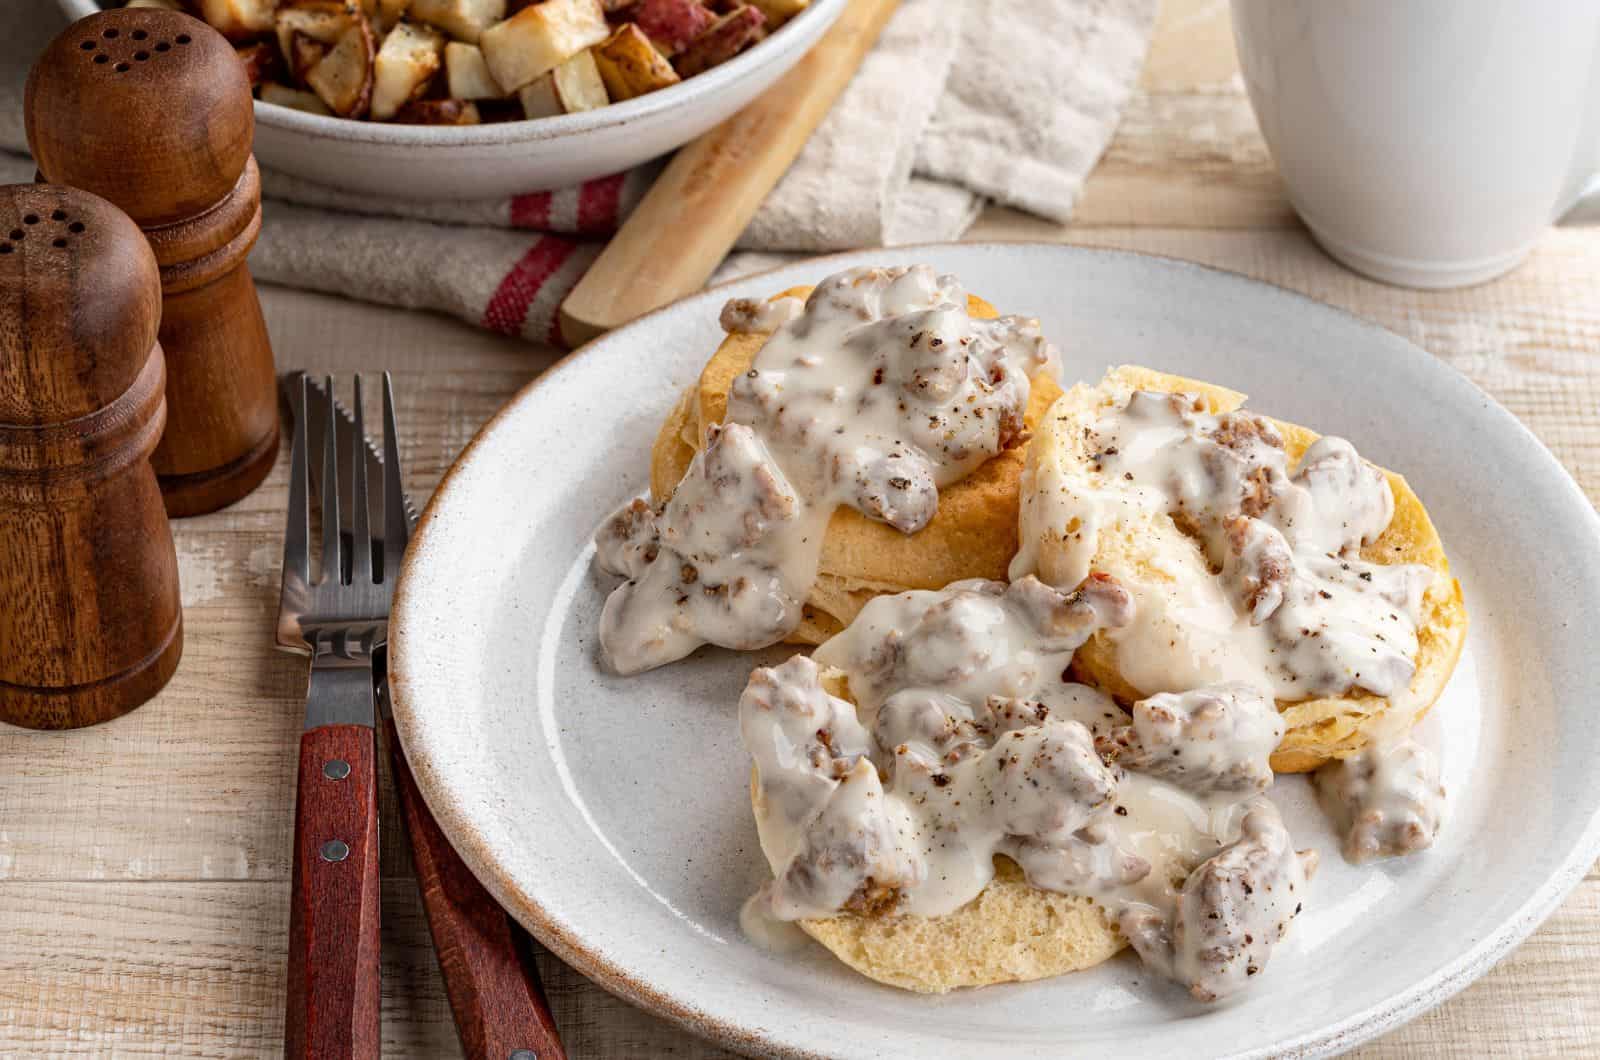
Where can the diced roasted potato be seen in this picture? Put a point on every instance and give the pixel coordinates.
(439, 112)
(304, 52)
(467, 74)
(343, 79)
(323, 23)
(408, 59)
(573, 86)
(238, 19)
(630, 65)
(672, 24)
(502, 59)
(390, 12)
(260, 61)
(779, 11)
(295, 98)
(727, 37)
(462, 19)
(539, 38)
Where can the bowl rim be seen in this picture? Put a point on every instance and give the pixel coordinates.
(813, 22)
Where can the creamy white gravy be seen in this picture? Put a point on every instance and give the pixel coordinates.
(967, 740)
(880, 391)
(1292, 608)
(1386, 800)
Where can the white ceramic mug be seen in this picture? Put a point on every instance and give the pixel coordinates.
(1427, 142)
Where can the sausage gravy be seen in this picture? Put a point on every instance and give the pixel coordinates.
(879, 391)
(1385, 800)
(1293, 609)
(963, 739)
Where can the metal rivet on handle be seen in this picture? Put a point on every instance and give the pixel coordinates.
(335, 850)
(337, 769)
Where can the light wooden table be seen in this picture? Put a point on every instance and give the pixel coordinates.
(144, 864)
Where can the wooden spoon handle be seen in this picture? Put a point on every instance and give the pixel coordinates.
(333, 995)
(494, 989)
(706, 196)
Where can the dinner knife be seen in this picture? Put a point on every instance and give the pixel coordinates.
(485, 958)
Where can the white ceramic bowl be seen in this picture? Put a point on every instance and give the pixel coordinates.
(509, 158)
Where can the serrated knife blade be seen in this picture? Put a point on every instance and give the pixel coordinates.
(317, 394)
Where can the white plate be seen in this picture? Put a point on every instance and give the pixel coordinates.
(510, 158)
(610, 814)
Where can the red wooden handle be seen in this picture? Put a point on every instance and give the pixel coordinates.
(494, 989)
(333, 997)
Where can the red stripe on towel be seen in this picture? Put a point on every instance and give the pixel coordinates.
(598, 204)
(508, 306)
(531, 210)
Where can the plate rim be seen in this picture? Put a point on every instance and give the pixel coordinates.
(1353, 1030)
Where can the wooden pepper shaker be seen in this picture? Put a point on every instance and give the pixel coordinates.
(151, 109)
(90, 624)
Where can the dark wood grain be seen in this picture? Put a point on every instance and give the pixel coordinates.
(90, 623)
(333, 992)
(495, 994)
(151, 109)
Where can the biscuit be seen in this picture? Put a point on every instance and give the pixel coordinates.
(1154, 550)
(973, 535)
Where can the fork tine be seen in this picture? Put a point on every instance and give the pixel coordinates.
(332, 560)
(361, 519)
(396, 527)
(297, 535)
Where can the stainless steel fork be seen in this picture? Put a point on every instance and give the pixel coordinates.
(339, 621)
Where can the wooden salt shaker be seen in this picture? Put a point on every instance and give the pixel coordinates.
(90, 625)
(151, 109)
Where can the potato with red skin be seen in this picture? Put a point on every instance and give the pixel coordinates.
(343, 79)
(780, 11)
(438, 112)
(630, 65)
(260, 62)
(726, 37)
(389, 13)
(463, 20)
(540, 38)
(672, 24)
(321, 20)
(575, 85)
(304, 52)
(409, 58)
(467, 74)
(332, 48)
(238, 20)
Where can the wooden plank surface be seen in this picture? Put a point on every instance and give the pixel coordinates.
(144, 864)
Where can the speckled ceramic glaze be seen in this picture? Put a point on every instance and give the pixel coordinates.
(510, 158)
(610, 814)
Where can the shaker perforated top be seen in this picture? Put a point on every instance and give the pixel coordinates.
(149, 108)
(80, 302)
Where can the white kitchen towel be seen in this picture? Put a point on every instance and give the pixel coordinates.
(961, 100)
(1033, 98)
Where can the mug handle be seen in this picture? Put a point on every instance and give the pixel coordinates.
(1581, 204)
(1580, 199)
